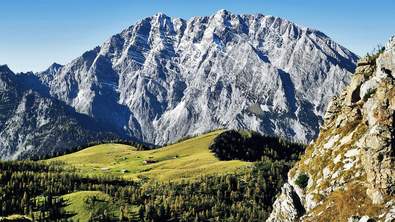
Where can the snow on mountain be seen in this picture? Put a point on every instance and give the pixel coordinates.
(164, 78)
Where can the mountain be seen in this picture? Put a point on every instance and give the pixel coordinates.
(348, 173)
(165, 78)
(32, 124)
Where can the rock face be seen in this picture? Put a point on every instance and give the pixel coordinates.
(31, 123)
(164, 78)
(351, 165)
(287, 207)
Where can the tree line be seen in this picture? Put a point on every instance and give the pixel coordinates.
(252, 146)
(35, 188)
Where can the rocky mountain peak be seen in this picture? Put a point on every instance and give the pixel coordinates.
(222, 12)
(53, 68)
(168, 77)
(160, 15)
(165, 78)
(350, 167)
(223, 15)
(6, 78)
(4, 69)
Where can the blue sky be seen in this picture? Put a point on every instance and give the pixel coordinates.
(36, 33)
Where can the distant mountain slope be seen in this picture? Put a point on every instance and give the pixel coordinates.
(32, 124)
(164, 78)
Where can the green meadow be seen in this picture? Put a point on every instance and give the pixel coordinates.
(184, 160)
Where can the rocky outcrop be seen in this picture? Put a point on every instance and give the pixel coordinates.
(351, 165)
(287, 207)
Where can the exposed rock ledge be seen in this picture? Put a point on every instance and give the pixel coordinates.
(351, 165)
(287, 207)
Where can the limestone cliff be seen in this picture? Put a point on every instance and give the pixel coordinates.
(348, 173)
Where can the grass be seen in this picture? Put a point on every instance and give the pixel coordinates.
(185, 160)
(342, 204)
(77, 204)
(15, 217)
(188, 159)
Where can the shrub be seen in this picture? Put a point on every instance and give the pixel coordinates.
(302, 180)
(371, 57)
(369, 94)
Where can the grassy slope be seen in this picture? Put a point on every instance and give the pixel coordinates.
(77, 205)
(15, 217)
(188, 159)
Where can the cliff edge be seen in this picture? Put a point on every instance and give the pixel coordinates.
(348, 173)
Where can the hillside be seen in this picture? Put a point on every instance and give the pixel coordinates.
(348, 173)
(83, 204)
(187, 159)
(180, 182)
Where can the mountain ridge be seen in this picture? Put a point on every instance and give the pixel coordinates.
(140, 49)
(33, 124)
(164, 78)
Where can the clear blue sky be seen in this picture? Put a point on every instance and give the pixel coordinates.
(36, 33)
